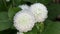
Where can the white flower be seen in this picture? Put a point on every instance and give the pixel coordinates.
(20, 33)
(23, 7)
(40, 11)
(24, 21)
(7, 0)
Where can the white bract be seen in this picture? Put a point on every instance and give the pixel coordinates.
(24, 7)
(24, 21)
(40, 11)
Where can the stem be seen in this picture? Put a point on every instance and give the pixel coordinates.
(13, 3)
(5, 3)
(40, 27)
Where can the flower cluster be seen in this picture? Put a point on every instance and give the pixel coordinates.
(25, 19)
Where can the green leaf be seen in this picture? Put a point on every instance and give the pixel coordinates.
(12, 11)
(4, 21)
(40, 26)
(37, 29)
(54, 10)
(39, 1)
(52, 27)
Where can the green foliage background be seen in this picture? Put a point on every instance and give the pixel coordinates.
(8, 9)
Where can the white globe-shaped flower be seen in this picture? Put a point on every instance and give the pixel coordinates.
(20, 33)
(40, 11)
(24, 7)
(24, 21)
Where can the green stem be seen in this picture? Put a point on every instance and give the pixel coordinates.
(13, 3)
(40, 27)
(5, 3)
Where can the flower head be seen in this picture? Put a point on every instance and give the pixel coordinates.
(24, 21)
(40, 11)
